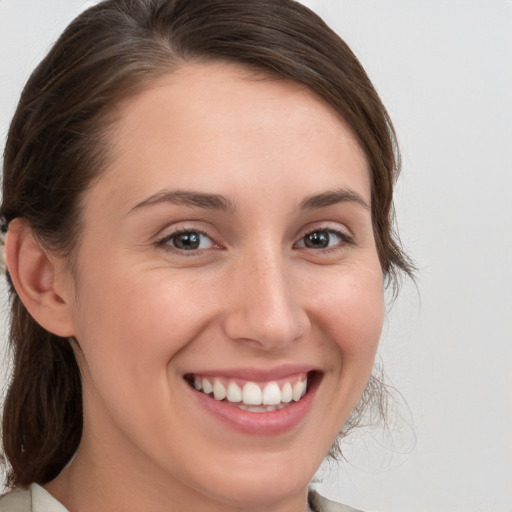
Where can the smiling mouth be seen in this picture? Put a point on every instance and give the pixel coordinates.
(257, 397)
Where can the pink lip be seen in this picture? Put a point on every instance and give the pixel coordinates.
(257, 374)
(261, 423)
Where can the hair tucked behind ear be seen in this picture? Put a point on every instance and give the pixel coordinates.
(57, 146)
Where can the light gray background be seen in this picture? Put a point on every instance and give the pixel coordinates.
(444, 70)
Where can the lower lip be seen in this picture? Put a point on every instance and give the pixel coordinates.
(259, 423)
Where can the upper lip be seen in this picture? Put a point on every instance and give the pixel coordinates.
(257, 374)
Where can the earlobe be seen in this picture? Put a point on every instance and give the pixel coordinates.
(39, 279)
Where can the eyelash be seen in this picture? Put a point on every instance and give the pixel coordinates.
(345, 239)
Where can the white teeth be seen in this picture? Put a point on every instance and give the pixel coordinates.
(207, 386)
(286, 393)
(299, 389)
(251, 394)
(234, 392)
(271, 394)
(219, 391)
(261, 408)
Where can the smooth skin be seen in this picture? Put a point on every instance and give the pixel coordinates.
(272, 278)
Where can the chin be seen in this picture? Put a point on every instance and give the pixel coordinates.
(262, 486)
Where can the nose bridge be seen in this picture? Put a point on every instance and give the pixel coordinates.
(266, 306)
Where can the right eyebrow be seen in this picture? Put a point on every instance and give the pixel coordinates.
(188, 198)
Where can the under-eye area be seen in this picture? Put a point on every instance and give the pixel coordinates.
(269, 396)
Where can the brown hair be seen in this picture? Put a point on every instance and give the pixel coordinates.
(56, 148)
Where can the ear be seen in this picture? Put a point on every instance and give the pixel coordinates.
(40, 279)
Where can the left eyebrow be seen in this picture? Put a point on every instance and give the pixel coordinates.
(332, 197)
(188, 198)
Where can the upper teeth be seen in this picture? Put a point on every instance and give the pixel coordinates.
(252, 393)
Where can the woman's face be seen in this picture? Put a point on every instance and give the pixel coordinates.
(229, 245)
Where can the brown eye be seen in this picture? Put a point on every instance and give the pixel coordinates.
(188, 241)
(317, 240)
(322, 239)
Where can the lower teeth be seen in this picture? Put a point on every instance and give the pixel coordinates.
(261, 408)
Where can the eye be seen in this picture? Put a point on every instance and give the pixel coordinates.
(323, 239)
(188, 240)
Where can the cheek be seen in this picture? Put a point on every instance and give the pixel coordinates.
(141, 318)
(353, 306)
(130, 324)
(130, 333)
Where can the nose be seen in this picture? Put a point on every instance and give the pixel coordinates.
(265, 305)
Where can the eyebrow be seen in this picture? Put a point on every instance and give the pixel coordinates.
(333, 197)
(218, 202)
(188, 198)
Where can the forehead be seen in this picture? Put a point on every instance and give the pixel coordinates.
(216, 120)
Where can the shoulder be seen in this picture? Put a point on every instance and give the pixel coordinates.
(320, 504)
(33, 499)
(18, 500)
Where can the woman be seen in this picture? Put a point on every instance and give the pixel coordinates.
(199, 206)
